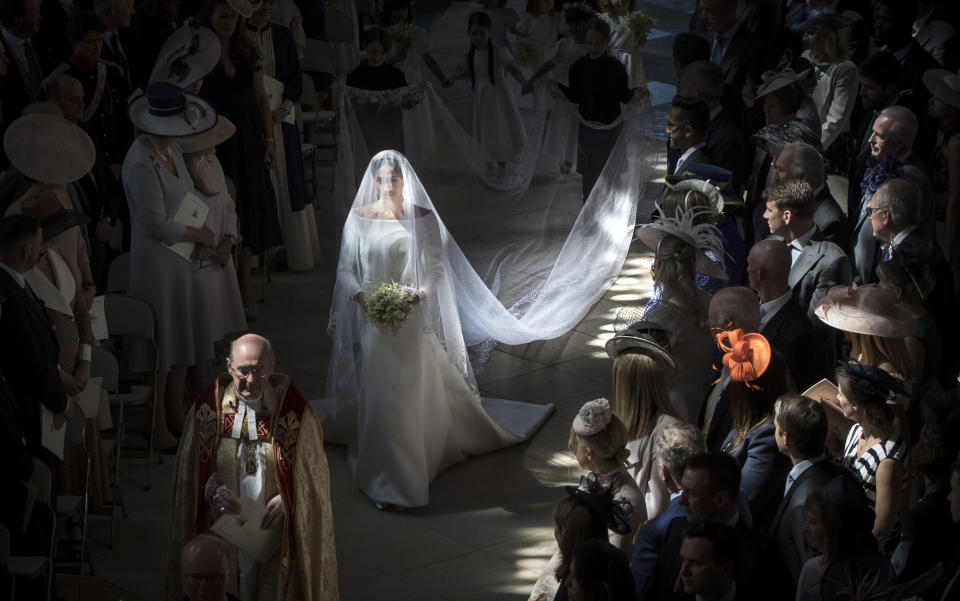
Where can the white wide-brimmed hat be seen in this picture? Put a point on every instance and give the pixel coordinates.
(943, 84)
(221, 132)
(49, 149)
(188, 55)
(243, 7)
(775, 80)
(867, 309)
(166, 110)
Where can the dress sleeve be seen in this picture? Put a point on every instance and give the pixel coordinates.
(422, 42)
(347, 275)
(145, 192)
(845, 88)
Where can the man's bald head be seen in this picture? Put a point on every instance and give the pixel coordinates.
(251, 364)
(66, 92)
(204, 568)
(734, 307)
(768, 260)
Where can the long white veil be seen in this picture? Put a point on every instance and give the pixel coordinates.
(545, 255)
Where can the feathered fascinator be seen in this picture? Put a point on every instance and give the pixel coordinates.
(601, 500)
(747, 356)
(702, 237)
(593, 417)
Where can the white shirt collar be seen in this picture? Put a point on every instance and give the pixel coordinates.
(899, 238)
(12, 39)
(686, 154)
(770, 308)
(18, 278)
(800, 468)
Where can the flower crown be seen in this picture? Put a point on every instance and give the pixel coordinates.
(593, 417)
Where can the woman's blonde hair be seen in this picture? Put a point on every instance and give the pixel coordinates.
(609, 444)
(676, 270)
(828, 46)
(640, 392)
(877, 350)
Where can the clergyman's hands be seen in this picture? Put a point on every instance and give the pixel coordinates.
(226, 500)
(274, 515)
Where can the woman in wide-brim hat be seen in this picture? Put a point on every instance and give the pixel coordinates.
(156, 182)
(642, 366)
(944, 161)
(222, 290)
(49, 149)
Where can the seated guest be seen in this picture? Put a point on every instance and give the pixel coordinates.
(30, 367)
(835, 92)
(217, 465)
(782, 322)
(709, 554)
(698, 189)
(803, 162)
(816, 264)
(801, 434)
(838, 526)
(731, 308)
(874, 451)
(725, 140)
(598, 441)
(599, 572)
(710, 485)
(672, 447)
(641, 399)
(758, 377)
(205, 565)
(687, 129)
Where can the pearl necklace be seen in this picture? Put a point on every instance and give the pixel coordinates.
(163, 157)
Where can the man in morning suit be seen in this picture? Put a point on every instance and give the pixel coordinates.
(709, 554)
(710, 488)
(802, 161)
(687, 130)
(782, 321)
(29, 352)
(801, 433)
(673, 446)
(21, 21)
(738, 52)
(816, 264)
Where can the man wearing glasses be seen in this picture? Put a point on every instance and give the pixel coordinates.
(251, 440)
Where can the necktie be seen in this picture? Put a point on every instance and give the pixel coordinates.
(33, 65)
(790, 480)
(717, 55)
(118, 55)
(887, 253)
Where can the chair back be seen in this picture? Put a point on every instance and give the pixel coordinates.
(308, 94)
(340, 27)
(118, 275)
(104, 365)
(317, 56)
(129, 316)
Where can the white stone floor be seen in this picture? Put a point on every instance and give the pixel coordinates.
(487, 532)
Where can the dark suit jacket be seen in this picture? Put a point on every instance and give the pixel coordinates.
(790, 332)
(647, 543)
(13, 97)
(699, 155)
(661, 585)
(829, 217)
(28, 358)
(820, 265)
(763, 470)
(914, 95)
(743, 62)
(727, 146)
(788, 545)
(123, 65)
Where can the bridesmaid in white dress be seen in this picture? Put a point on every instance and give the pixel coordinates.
(417, 406)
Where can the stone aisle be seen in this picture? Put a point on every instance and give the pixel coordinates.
(487, 532)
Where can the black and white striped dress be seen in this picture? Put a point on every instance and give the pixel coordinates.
(865, 468)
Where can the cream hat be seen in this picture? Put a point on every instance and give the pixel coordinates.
(867, 309)
(220, 133)
(188, 55)
(49, 149)
(943, 84)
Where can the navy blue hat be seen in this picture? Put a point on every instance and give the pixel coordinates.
(719, 177)
(166, 110)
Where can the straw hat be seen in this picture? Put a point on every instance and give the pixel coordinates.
(188, 55)
(49, 149)
(943, 84)
(775, 80)
(644, 337)
(243, 7)
(868, 309)
(220, 133)
(166, 110)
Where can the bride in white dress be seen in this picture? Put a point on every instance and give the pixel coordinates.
(412, 390)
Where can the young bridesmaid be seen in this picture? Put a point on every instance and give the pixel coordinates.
(503, 18)
(541, 25)
(623, 45)
(408, 60)
(497, 127)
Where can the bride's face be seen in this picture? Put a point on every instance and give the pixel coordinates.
(389, 184)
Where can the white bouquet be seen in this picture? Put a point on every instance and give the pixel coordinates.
(403, 35)
(388, 306)
(639, 24)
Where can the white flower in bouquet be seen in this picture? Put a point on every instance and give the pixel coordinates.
(388, 306)
(526, 53)
(639, 24)
(403, 35)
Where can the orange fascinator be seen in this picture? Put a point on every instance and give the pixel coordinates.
(747, 356)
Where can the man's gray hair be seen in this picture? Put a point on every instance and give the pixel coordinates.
(904, 123)
(703, 77)
(807, 163)
(901, 199)
(675, 444)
